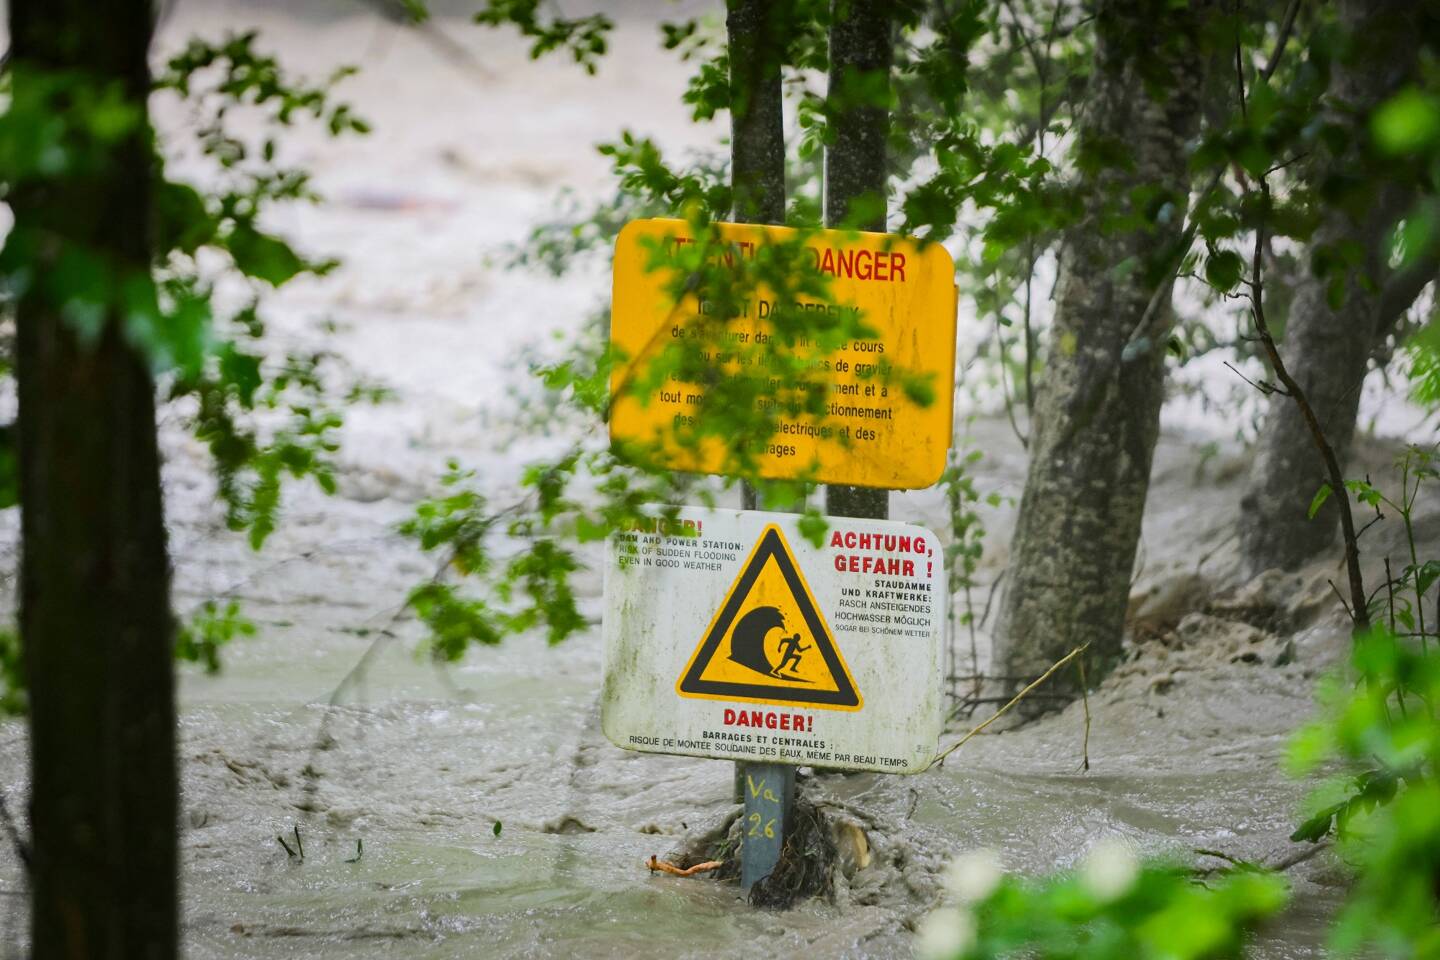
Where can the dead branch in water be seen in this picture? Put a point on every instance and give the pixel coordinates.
(939, 760)
(657, 865)
(1277, 866)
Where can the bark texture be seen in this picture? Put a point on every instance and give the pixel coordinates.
(94, 578)
(756, 31)
(1098, 405)
(855, 181)
(1327, 347)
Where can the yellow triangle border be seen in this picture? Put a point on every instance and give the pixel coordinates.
(771, 542)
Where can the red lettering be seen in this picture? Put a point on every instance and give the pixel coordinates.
(845, 263)
(919, 545)
(850, 539)
(904, 544)
(756, 718)
(770, 721)
(743, 719)
(797, 722)
(729, 716)
(835, 540)
(882, 263)
(864, 264)
(897, 267)
(827, 262)
(784, 721)
(909, 568)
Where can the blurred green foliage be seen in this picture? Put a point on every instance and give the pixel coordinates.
(1113, 906)
(212, 626)
(1375, 746)
(264, 415)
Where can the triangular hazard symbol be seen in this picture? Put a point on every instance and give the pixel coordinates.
(768, 642)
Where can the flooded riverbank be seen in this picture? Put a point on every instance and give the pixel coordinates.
(477, 811)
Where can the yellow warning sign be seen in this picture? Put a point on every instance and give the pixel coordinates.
(768, 643)
(869, 431)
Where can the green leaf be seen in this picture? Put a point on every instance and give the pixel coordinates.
(1407, 123)
(262, 256)
(1223, 269)
(1321, 496)
(1317, 828)
(181, 221)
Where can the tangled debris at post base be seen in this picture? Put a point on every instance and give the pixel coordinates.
(807, 864)
(806, 867)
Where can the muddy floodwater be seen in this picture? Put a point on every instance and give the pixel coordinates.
(477, 811)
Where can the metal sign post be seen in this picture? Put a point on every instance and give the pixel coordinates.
(769, 808)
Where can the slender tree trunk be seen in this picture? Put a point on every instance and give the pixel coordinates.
(1098, 405)
(94, 578)
(861, 46)
(757, 31)
(1328, 346)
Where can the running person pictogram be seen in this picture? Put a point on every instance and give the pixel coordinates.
(790, 651)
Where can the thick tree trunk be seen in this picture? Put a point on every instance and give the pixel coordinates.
(94, 579)
(855, 188)
(1097, 409)
(1327, 348)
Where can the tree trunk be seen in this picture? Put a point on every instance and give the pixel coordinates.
(1327, 348)
(94, 578)
(756, 31)
(855, 184)
(1098, 405)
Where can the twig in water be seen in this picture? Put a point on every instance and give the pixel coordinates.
(1085, 701)
(359, 851)
(281, 840)
(1014, 700)
(1284, 863)
(1218, 855)
(1299, 856)
(298, 845)
(656, 864)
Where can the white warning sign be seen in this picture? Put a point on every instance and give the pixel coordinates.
(729, 634)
